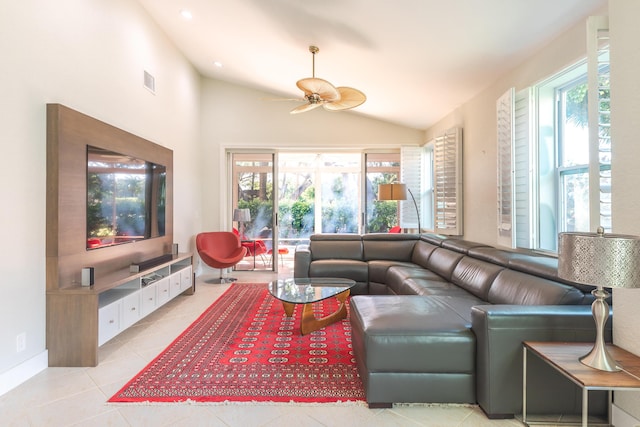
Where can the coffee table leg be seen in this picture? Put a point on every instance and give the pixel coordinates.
(309, 323)
(288, 308)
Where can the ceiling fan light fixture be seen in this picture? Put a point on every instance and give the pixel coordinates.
(319, 92)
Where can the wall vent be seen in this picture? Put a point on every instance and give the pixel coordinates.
(150, 82)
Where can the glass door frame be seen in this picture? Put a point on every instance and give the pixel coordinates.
(232, 196)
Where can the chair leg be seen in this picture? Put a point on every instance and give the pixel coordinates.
(222, 279)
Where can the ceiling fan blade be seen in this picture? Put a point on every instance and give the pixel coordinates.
(305, 107)
(349, 98)
(323, 88)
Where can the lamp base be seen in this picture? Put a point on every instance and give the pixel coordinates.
(599, 357)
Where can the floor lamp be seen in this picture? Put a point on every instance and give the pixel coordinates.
(241, 216)
(398, 191)
(605, 261)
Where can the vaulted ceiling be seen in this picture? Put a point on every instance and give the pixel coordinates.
(416, 60)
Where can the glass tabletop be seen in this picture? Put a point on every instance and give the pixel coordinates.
(309, 290)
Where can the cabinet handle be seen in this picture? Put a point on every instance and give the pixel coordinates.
(112, 321)
(133, 309)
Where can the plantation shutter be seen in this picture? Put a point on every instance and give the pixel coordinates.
(411, 175)
(523, 168)
(599, 123)
(447, 163)
(505, 167)
(515, 170)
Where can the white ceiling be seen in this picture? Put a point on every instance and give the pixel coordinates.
(416, 60)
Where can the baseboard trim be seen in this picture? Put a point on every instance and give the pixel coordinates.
(620, 418)
(21, 373)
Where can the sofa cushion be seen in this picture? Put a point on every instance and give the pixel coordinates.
(378, 269)
(460, 245)
(421, 253)
(411, 334)
(475, 276)
(514, 287)
(345, 268)
(397, 275)
(394, 247)
(422, 286)
(443, 262)
(493, 255)
(336, 246)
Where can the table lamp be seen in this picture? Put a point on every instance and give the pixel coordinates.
(605, 261)
(397, 191)
(241, 216)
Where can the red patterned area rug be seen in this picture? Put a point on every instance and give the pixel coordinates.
(244, 349)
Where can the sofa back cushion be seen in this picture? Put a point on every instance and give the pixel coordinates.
(515, 287)
(475, 276)
(443, 261)
(336, 246)
(421, 253)
(393, 247)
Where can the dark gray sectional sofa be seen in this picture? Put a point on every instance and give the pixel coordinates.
(438, 319)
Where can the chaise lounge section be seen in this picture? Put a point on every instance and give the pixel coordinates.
(442, 320)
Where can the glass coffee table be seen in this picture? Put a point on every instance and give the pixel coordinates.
(306, 291)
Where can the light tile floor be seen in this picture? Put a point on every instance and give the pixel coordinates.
(77, 396)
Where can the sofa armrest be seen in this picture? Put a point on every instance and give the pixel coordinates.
(302, 261)
(500, 331)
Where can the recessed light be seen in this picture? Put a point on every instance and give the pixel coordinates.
(217, 64)
(186, 14)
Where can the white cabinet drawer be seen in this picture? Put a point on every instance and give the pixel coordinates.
(162, 286)
(149, 301)
(108, 322)
(186, 278)
(175, 284)
(131, 309)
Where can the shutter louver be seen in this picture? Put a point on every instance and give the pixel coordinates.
(447, 160)
(599, 123)
(411, 175)
(505, 167)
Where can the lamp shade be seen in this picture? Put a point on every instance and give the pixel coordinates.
(599, 259)
(241, 215)
(392, 191)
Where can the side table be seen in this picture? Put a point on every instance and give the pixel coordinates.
(564, 358)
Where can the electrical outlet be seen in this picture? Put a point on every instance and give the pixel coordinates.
(21, 342)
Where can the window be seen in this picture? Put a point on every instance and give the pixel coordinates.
(554, 154)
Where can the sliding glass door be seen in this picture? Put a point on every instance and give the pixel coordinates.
(253, 191)
(315, 192)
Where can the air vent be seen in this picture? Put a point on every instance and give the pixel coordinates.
(150, 82)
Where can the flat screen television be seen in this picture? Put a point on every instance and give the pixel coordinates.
(126, 198)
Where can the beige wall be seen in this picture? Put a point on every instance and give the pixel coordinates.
(90, 56)
(477, 117)
(625, 137)
(235, 116)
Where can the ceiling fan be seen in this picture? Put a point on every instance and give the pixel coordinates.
(319, 92)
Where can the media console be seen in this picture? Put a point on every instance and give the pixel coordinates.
(82, 318)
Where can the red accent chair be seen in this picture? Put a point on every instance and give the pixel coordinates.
(220, 249)
(395, 229)
(254, 246)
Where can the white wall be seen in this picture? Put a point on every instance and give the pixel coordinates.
(625, 137)
(477, 117)
(90, 56)
(235, 116)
